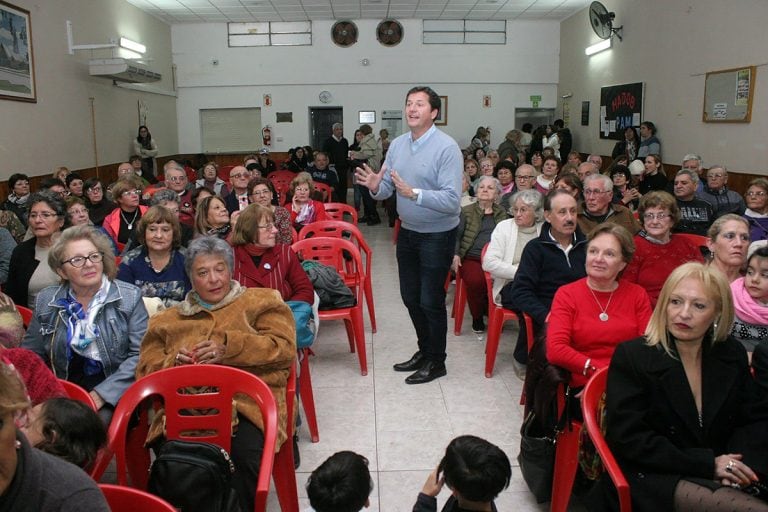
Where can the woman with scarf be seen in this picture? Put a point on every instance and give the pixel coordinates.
(304, 210)
(212, 218)
(262, 262)
(750, 302)
(145, 146)
(88, 329)
(18, 184)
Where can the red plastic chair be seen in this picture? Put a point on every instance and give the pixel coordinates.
(589, 403)
(497, 317)
(75, 392)
(127, 499)
(459, 303)
(305, 393)
(330, 251)
(224, 172)
(223, 382)
(281, 180)
(566, 459)
(336, 211)
(325, 190)
(345, 230)
(26, 315)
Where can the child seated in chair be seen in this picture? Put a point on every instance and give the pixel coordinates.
(475, 471)
(340, 484)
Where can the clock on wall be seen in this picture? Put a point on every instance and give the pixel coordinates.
(325, 97)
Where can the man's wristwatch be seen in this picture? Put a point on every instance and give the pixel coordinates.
(415, 196)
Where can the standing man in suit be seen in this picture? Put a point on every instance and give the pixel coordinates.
(337, 149)
(424, 168)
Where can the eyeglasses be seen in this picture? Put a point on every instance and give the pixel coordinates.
(301, 189)
(591, 192)
(79, 261)
(80, 211)
(520, 211)
(42, 215)
(266, 192)
(176, 179)
(657, 216)
(755, 193)
(136, 192)
(267, 226)
(239, 175)
(715, 175)
(94, 189)
(523, 178)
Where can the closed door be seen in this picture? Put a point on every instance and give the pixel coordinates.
(321, 120)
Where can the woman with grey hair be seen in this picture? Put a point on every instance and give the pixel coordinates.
(506, 246)
(222, 322)
(88, 328)
(29, 272)
(477, 222)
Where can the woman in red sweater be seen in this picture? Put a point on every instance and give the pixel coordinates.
(260, 262)
(658, 252)
(589, 317)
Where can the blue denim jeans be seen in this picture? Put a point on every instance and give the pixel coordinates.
(424, 260)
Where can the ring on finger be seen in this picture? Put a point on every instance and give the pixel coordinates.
(729, 467)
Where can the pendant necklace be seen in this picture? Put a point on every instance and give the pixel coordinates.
(603, 316)
(130, 224)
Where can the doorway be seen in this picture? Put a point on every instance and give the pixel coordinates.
(535, 116)
(321, 120)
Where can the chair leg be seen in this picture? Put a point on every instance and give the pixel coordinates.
(348, 325)
(307, 397)
(359, 333)
(495, 323)
(284, 477)
(460, 304)
(368, 291)
(566, 464)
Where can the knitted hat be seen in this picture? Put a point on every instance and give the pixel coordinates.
(636, 167)
(11, 324)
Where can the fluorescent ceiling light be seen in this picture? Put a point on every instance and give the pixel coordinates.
(598, 47)
(132, 45)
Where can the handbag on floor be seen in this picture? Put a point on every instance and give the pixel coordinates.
(537, 457)
(194, 477)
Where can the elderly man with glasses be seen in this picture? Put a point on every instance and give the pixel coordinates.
(597, 208)
(717, 194)
(238, 199)
(176, 180)
(525, 177)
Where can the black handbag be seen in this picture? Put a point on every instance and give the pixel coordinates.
(537, 457)
(194, 477)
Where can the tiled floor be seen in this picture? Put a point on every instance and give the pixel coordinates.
(402, 429)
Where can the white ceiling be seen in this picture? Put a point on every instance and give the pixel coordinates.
(219, 11)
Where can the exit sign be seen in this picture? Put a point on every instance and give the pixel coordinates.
(535, 99)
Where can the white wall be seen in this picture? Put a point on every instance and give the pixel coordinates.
(670, 45)
(57, 130)
(294, 76)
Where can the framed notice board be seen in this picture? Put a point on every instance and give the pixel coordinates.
(621, 106)
(728, 95)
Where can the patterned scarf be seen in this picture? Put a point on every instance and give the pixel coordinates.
(81, 326)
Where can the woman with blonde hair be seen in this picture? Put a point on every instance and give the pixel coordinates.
(676, 399)
(304, 210)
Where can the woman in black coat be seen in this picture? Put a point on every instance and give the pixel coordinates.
(678, 398)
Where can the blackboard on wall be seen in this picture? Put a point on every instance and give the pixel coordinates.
(621, 106)
(728, 95)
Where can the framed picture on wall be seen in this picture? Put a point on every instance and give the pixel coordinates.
(17, 66)
(442, 117)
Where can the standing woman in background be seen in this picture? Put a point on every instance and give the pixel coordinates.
(146, 146)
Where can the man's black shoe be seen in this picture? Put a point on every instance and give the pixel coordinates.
(413, 364)
(373, 221)
(427, 373)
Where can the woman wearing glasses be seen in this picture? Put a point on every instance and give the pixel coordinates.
(29, 271)
(98, 205)
(658, 251)
(757, 209)
(263, 262)
(121, 224)
(304, 209)
(261, 191)
(88, 328)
